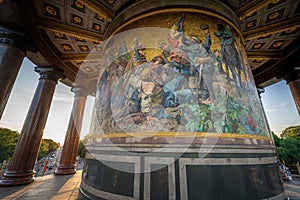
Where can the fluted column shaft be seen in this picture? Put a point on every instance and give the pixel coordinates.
(293, 80)
(295, 90)
(70, 148)
(20, 169)
(12, 48)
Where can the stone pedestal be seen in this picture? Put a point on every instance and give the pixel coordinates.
(20, 169)
(70, 148)
(12, 48)
(177, 114)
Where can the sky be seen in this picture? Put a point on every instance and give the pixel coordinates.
(277, 101)
(58, 119)
(280, 107)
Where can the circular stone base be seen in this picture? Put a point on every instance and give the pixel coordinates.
(65, 169)
(220, 172)
(11, 178)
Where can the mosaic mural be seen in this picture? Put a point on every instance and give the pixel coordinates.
(189, 73)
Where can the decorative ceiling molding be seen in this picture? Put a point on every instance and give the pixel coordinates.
(94, 76)
(277, 68)
(79, 25)
(264, 55)
(47, 24)
(99, 8)
(251, 7)
(79, 57)
(281, 26)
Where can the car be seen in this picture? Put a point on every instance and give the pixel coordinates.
(50, 166)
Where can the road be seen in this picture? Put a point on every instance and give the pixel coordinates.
(53, 160)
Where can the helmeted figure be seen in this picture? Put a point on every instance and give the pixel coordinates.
(229, 54)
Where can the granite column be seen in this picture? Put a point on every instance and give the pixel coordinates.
(293, 80)
(20, 169)
(12, 53)
(70, 148)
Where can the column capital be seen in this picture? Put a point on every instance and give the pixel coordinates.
(50, 73)
(292, 75)
(80, 91)
(260, 91)
(16, 39)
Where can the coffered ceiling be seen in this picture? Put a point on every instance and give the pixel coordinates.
(66, 31)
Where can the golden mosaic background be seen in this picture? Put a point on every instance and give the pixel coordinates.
(166, 20)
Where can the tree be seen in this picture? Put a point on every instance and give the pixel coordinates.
(277, 140)
(43, 151)
(289, 150)
(52, 146)
(8, 141)
(288, 146)
(292, 131)
(47, 146)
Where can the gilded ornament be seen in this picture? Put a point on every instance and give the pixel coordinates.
(97, 27)
(57, 34)
(67, 47)
(257, 46)
(182, 134)
(79, 4)
(84, 48)
(99, 17)
(88, 69)
(250, 24)
(277, 44)
(290, 30)
(51, 10)
(77, 19)
(259, 60)
(275, 1)
(78, 38)
(274, 15)
(111, 1)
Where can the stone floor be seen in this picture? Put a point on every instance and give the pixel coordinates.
(292, 189)
(44, 188)
(67, 188)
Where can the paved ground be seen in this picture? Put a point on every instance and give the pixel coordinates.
(292, 189)
(51, 170)
(56, 187)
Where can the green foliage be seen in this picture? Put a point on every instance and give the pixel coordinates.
(81, 149)
(47, 146)
(43, 151)
(277, 140)
(226, 115)
(8, 141)
(197, 117)
(240, 118)
(232, 122)
(292, 131)
(288, 150)
(288, 147)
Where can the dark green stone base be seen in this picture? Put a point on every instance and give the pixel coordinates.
(216, 176)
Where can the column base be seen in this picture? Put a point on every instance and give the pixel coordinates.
(12, 178)
(65, 169)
